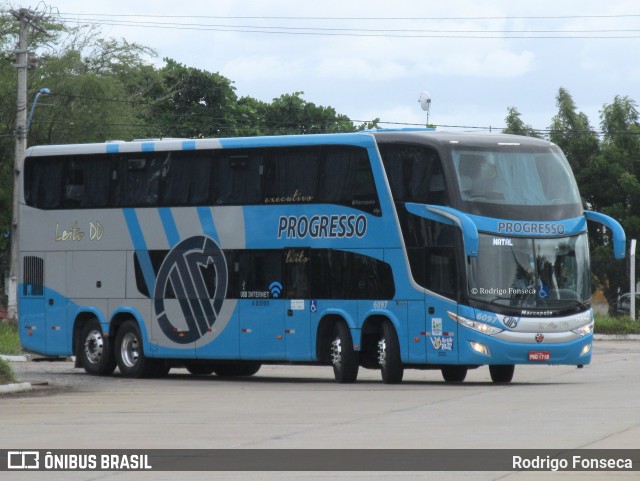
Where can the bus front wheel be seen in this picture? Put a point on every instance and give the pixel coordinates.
(343, 357)
(94, 350)
(502, 373)
(129, 352)
(389, 355)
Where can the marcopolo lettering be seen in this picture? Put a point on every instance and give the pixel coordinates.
(322, 226)
(542, 228)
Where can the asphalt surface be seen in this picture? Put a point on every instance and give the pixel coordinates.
(559, 407)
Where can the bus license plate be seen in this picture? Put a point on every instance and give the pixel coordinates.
(539, 355)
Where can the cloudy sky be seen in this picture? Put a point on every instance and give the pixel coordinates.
(373, 58)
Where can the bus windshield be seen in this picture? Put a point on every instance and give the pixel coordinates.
(531, 273)
(514, 175)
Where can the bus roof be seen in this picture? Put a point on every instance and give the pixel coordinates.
(426, 136)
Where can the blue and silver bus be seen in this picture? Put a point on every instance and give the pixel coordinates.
(384, 250)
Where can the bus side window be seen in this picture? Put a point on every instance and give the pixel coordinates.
(43, 182)
(138, 182)
(187, 179)
(415, 174)
(346, 178)
(290, 176)
(237, 178)
(87, 182)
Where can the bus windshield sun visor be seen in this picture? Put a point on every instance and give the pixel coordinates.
(447, 215)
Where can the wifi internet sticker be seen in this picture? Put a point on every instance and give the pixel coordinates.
(275, 288)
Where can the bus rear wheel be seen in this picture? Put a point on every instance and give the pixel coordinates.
(454, 373)
(502, 373)
(95, 351)
(343, 357)
(129, 353)
(389, 355)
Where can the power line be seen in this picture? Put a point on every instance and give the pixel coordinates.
(297, 18)
(144, 22)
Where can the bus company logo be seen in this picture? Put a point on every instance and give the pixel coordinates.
(195, 273)
(539, 338)
(528, 313)
(322, 226)
(540, 228)
(510, 322)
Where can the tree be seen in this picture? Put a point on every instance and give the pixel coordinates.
(194, 103)
(570, 130)
(291, 114)
(612, 186)
(516, 126)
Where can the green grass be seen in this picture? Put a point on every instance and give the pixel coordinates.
(616, 325)
(6, 374)
(9, 339)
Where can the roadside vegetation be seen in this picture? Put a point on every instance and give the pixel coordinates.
(616, 325)
(9, 344)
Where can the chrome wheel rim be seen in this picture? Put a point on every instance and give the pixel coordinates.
(94, 346)
(130, 349)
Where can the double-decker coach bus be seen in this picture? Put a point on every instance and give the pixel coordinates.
(380, 249)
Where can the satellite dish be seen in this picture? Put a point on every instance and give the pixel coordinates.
(425, 101)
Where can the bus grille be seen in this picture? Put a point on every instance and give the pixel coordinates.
(33, 284)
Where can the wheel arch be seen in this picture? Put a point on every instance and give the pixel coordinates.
(324, 334)
(80, 320)
(119, 316)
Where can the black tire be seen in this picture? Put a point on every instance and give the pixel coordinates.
(200, 369)
(343, 357)
(389, 355)
(129, 353)
(502, 374)
(243, 369)
(454, 373)
(95, 351)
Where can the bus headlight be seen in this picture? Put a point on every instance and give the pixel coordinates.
(480, 348)
(475, 325)
(584, 330)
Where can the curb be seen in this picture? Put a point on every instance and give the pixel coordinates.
(616, 337)
(13, 358)
(13, 388)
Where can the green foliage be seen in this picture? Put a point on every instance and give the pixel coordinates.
(516, 126)
(9, 339)
(616, 325)
(6, 373)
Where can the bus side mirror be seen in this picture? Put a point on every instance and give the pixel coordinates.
(619, 238)
(447, 215)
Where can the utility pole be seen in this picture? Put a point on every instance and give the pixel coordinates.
(26, 18)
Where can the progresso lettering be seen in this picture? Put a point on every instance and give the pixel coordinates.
(322, 226)
(530, 228)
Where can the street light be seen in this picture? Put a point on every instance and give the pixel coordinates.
(22, 129)
(42, 91)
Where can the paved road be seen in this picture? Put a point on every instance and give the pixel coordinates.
(556, 407)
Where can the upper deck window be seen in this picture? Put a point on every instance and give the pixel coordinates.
(514, 176)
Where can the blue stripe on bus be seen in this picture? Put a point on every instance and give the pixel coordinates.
(140, 246)
(148, 147)
(189, 145)
(113, 148)
(169, 224)
(208, 225)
